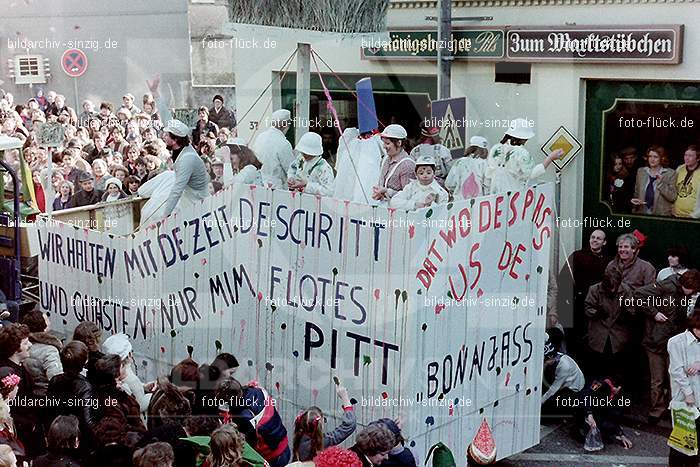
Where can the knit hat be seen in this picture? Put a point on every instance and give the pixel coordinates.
(442, 456)
(115, 181)
(218, 97)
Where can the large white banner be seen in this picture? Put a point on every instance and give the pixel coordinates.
(436, 316)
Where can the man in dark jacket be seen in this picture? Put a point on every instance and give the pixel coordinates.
(583, 268)
(88, 195)
(72, 391)
(220, 115)
(63, 439)
(667, 305)
(610, 326)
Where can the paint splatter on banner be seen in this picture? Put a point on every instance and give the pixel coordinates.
(430, 315)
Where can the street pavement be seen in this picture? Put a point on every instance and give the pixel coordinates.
(557, 447)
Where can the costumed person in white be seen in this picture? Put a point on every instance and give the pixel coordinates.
(360, 150)
(430, 146)
(157, 191)
(423, 191)
(191, 177)
(510, 165)
(466, 177)
(310, 173)
(358, 164)
(398, 168)
(119, 344)
(274, 151)
(240, 163)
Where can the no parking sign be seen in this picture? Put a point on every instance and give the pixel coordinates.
(74, 62)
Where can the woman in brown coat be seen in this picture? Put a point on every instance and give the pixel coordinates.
(610, 326)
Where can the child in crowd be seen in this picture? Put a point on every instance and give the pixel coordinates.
(114, 190)
(309, 435)
(132, 184)
(400, 455)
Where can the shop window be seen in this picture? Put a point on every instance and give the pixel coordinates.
(513, 72)
(645, 140)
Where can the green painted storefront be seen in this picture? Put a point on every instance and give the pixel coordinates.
(606, 103)
(399, 99)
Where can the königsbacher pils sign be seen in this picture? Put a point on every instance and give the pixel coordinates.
(658, 44)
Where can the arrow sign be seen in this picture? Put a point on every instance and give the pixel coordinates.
(74, 62)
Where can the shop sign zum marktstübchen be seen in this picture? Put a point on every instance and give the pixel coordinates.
(658, 44)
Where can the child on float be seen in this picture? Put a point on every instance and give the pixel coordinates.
(467, 176)
(423, 191)
(309, 435)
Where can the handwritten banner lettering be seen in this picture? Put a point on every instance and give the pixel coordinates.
(436, 315)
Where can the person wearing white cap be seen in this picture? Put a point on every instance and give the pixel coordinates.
(128, 101)
(423, 191)
(191, 176)
(311, 173)
(466, 177)
(398, 168)
(274, 151)
(114, 190)
(430, 146)
(510, 165)
(119, 344)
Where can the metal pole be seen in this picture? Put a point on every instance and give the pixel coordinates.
(75, 88)
(49, 188)
(301, 106)
(444, 56)
(557, 204)
(16, 286)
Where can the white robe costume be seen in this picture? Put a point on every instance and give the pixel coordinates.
(276, 155)
(157, 190)
(415, 192)
(248, 175)
(511, 168)
(466, 178)
(358, 166)
(316, 172)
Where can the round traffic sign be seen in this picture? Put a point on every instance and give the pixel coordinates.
(74, 62)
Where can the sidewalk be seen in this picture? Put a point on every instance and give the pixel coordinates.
(558, 448)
